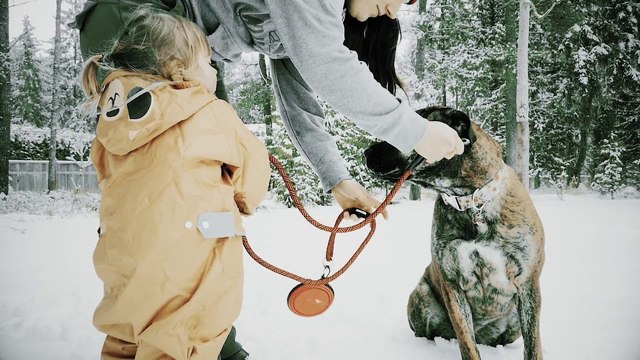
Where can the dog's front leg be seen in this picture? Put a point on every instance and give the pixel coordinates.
(529, 313)
(462, 321)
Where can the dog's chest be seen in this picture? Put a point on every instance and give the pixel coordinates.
(486, 275)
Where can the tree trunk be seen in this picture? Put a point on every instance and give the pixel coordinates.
(77, 59)
(442, 46)
(521, 164)
(420, 45)
(588, 113)
(444, 92)
(510, 83)
(414, 190)
(56, 109)
(5, 93)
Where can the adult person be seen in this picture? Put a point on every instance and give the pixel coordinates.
(305, 42)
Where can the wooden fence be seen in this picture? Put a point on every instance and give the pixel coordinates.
(32, 175)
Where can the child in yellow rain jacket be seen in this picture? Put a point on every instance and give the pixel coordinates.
(177, 168)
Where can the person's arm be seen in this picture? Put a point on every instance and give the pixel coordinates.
(312, 34)
(304, 120)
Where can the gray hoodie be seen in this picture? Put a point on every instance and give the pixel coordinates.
(304, 41)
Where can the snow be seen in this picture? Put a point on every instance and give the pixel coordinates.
(491, 255)
(590, 287)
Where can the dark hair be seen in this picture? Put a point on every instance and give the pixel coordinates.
(375, 41)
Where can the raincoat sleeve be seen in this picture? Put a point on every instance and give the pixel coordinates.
(251, 179)
(99, 161)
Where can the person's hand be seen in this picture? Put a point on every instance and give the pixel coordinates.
(348, 193)
(439, 141)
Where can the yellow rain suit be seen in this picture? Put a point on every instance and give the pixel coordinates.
(176, 167)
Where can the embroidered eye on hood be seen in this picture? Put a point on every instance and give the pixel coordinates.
(134, 110)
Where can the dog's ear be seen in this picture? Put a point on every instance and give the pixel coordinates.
(456, 119)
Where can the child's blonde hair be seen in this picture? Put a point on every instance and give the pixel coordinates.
(152, 42)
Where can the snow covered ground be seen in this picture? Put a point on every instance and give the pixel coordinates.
(590, 284)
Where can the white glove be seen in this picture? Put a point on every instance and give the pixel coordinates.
(439, 141)
(349, 194)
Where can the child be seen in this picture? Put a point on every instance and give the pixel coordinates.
(176, 167)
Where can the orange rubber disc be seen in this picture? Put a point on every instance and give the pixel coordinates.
(310, 300)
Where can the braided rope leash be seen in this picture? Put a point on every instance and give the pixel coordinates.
(334, 230)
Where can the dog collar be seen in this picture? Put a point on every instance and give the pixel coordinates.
(480, 196)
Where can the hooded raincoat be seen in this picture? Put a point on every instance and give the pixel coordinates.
(177, 167)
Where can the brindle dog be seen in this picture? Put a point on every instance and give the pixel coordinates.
(487, 244)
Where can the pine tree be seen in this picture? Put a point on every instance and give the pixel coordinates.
(618, 24)
(419, 58)
(509, 75)
(307, 184)
(249, 98)
(587, 88)
(448, 27)
(70, 65)
(487, 82)
(583, 71)
(551, 116)
(608, 177)
(566, 95)
(463, 59)
(249, 89)
(56, 109)
(67, 89)
(351, 142)
(27, 94)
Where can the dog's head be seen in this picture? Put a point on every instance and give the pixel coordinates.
(459, 173)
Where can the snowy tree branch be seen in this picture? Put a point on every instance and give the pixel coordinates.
(535, 11)
(22, 3)
(16, 40)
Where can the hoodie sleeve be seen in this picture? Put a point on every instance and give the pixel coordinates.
(312, 34)
(304, 120)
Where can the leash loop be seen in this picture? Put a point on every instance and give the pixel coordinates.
(369, 219)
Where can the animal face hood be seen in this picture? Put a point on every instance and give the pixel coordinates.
(133, 110)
